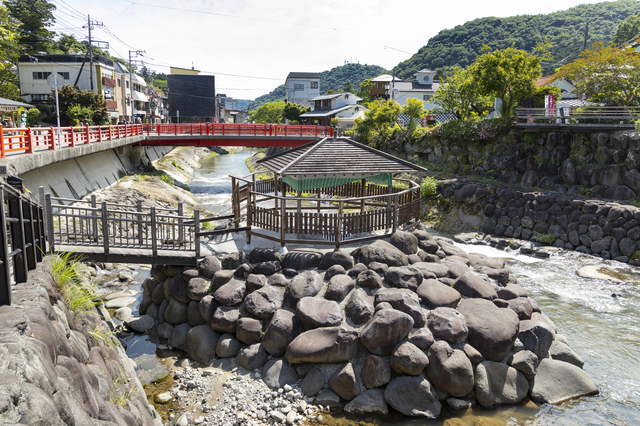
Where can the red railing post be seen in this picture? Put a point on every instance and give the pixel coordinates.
(73, 136)
(148, 129)
(52, 139)
(110, 132)
(87, 134)
(191, 128)
(2, 155)
(176, 129)
(29, 137)
(99, 133)
(270, 130)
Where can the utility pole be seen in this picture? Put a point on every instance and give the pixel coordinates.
(89, 26)
(136, 53)
(586, 35)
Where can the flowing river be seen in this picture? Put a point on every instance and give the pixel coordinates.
(600, 319)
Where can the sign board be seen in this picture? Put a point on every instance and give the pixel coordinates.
(51, 80)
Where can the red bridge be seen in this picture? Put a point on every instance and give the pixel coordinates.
(30, 140)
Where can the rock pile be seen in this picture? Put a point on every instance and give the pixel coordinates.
(410, 324)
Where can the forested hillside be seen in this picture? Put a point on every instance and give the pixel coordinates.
(334, 79)
(565, 29)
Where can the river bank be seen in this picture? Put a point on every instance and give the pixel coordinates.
(619, 396)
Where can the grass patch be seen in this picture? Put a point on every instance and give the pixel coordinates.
(428, 187)
(79, 296)
(122, 391)
(547, 239)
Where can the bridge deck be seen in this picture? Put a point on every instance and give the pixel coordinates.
(131, 255)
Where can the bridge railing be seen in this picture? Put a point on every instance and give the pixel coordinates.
(582, 115)
(27, 140)
(113, 226)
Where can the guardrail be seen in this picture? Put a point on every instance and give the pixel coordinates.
(579, 115)
(22, 238)
(27, 140)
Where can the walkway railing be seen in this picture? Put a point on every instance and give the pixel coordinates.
(578, 115)
(28, 140)
(109, 226)
(22, 238)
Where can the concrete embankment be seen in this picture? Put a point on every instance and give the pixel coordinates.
(77, 177)
(54, 370)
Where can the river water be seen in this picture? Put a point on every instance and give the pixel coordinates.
(603, 329)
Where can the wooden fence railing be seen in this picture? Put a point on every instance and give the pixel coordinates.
(109, 225)
(22, 238)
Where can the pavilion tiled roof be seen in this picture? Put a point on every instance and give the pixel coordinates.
(336, 157)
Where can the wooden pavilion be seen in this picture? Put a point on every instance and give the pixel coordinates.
(333, 191)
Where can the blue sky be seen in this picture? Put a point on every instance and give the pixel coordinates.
(251, 45)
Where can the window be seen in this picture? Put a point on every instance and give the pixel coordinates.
(41, 75)
(127, 84)
(119, 84)
(39, 97)
(298, 87)
(108, 93)
(427, 97)
(314, 84)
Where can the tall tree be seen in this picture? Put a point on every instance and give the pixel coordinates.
(8, 57)
(68, 43)
(365, 91)
(508, 74)
(271, 112)
(348, 87)
(33, 17)
(376, 121)
(292, 111)
(76, 103)
(459, 95)
(605, 74)
(627, 29)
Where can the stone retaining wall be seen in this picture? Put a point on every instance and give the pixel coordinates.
(53, 372)
(603, 165)
(606, 229)
(411, 324)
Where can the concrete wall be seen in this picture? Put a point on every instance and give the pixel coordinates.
(80, 176)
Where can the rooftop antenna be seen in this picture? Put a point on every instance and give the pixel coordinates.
(192, 68)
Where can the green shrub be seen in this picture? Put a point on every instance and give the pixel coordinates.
(428, 187)
(66, 272)
(33, 117)
(547, 239)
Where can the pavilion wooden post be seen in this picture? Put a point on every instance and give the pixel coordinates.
(388, 216)
(319, 196)
(235, 203)
(275, 190)
(395, 213)
(299, 211)
(363, 193)
(283, 223)
(339, 226)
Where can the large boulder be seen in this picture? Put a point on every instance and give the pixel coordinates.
(228, 346)
(561, 351)
(429, 269)
(231, 293)
(404, 277)
(380, 251)
(471, 285)
(376, 371)
(557, 381)
(255, 282)
(277, 372)
(302, 258)
(197, 288)
(201, 343)
(450, 369)
(407, 358)
(225, 319)
(327, 344)
(536, 336)
(434, 294)
(314, 312)
(492, 330)
(176, 312)
(339, 287)
(385, 330)
(252, 357)
(220, 278)
(422, 338)
(249, 330)
(336, 258)
(209, 266)
(177, 288)
(305, 284)
(359, 308)
(263, 303)
(413, 396)
(345, 383)
(193, 314)
(404, 241)
(313, 382)
(497, 384)
(368, 402)
(448, 324)
(369, 279)
(259, 255)
(282, 329)
(267, 268)
(403, 300)
(426, 242)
